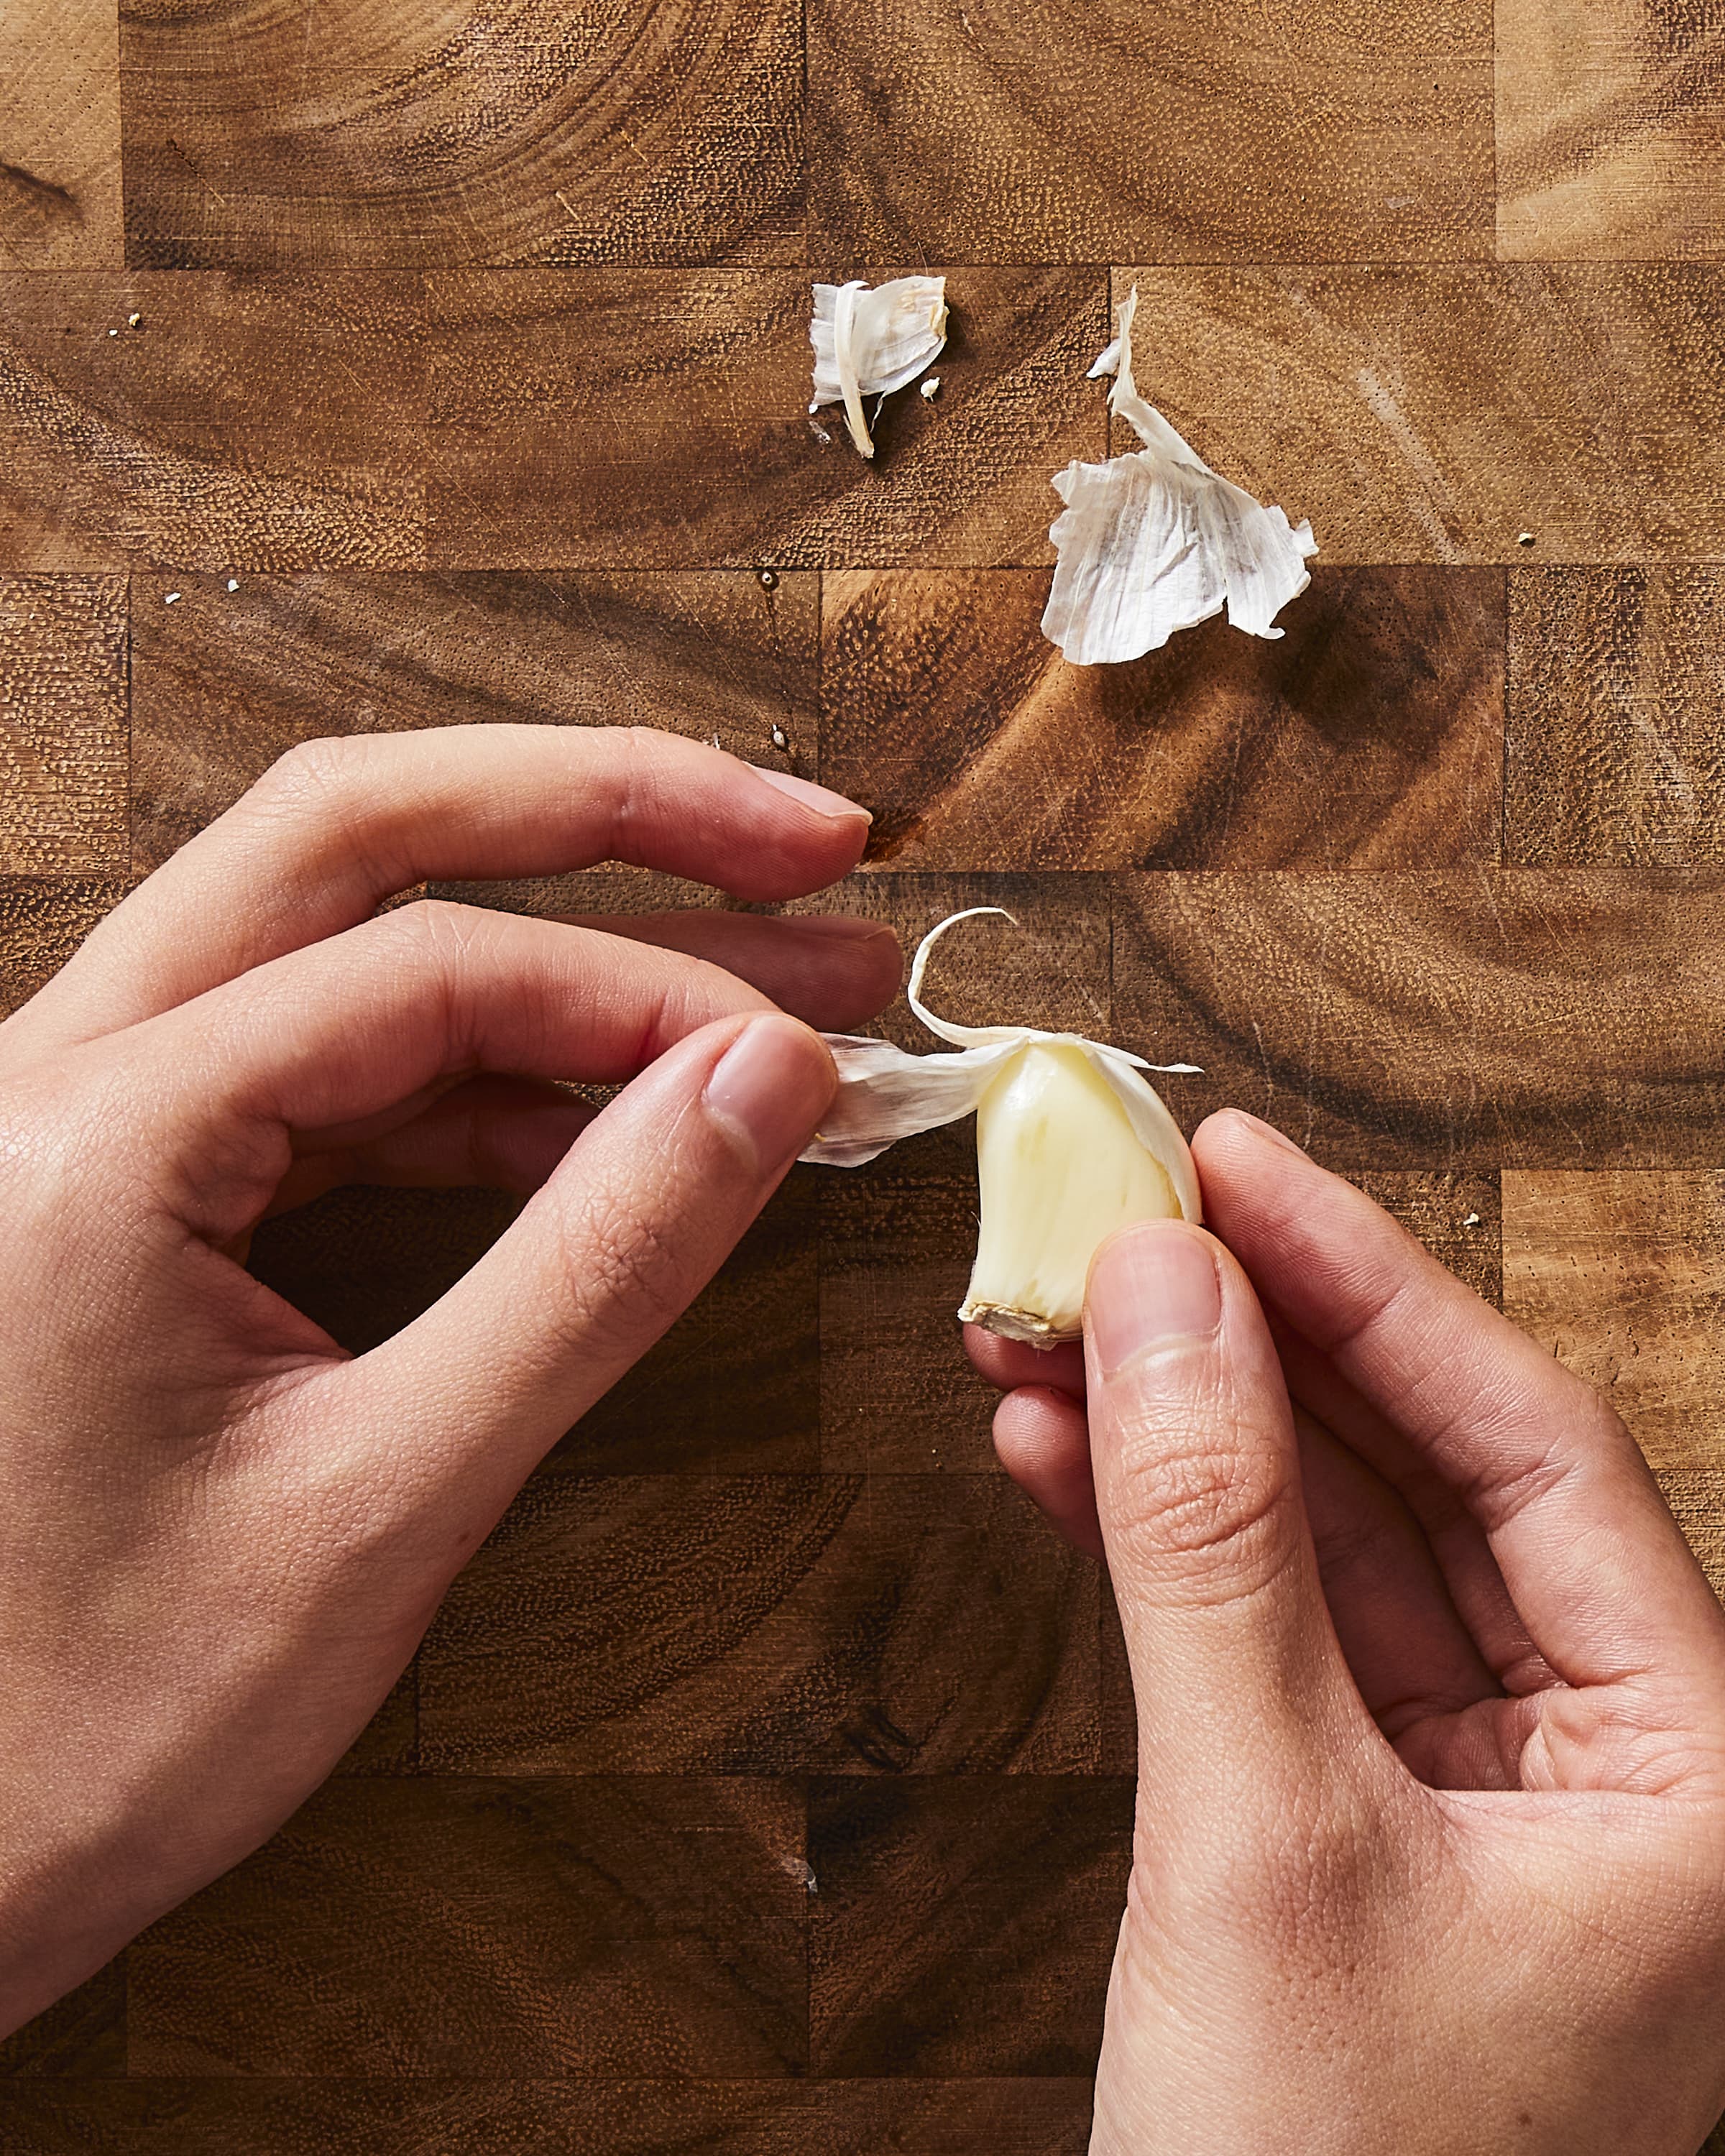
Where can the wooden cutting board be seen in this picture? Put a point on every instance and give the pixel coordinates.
(765, 1782)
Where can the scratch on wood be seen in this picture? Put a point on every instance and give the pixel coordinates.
(192, 168)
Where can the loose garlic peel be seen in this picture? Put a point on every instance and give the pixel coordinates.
(868, 343)
(1072, 1143)
(1156, 542)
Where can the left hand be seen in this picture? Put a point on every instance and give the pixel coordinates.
(221, 1537)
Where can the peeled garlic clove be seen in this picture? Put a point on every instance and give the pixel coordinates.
(1060, 1169)
(868, 343)
(1072, 1143)
(1156, 542)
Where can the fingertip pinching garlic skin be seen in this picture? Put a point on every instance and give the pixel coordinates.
(1073, 1143)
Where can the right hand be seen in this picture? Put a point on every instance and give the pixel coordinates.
(1430, 1842)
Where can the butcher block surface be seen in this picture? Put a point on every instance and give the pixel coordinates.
(765, 1782)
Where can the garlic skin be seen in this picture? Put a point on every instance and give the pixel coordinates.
(1156, 542)
(1072, 1143)
(868, 343)
(1060, 1170)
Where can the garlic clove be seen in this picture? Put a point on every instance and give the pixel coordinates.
(1060, 1169)
(1072, 1143)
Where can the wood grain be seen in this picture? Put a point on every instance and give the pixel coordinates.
(333, 2116)
(389, 1743)
(1057, 132)
(242, 424)
(1622, 1276)
(595, 418)
(1611, 129)
(1434, 414)
(524, 132)
(1459, 1218)
(611, 888)
(1619, 1275)
(898, 1241)
(1615, 751)
(62, 725)
(978, 747)
(223, 682)
(764, 1625)
(1530, 1018)
(365, 1262)
(43, 921)
(458, 1925)
(81, 2037)
(963, 1926)
(734, 1387)
(59, 135)
(764, 1784)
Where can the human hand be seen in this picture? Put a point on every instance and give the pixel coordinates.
(220, 1537)
(1431, 1838)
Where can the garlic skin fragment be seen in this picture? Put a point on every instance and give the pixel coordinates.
(1060, 1170)
(1072, 1143)
(1155, 541)
(867, 343)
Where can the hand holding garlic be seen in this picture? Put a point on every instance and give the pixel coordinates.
(1072, 1144)
(1430, 1828)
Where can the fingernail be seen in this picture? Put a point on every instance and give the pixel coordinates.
(1155, 1282)
(770, 1089)
(1269, 1131)
(841, 927)
(820, 798)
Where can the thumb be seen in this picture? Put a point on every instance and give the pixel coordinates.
(646, 1207)
(1240, 1683)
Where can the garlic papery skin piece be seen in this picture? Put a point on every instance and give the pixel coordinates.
(868, 343)
(1060, 1169)
(1156, 542)
(1072, 1143)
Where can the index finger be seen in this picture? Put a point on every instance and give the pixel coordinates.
(1597, 1568)
(336, 826)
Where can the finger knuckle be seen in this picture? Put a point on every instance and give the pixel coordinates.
(310, 776)
(626, 1278)
(1195, 1502)
(1303, 1876)
(437, 934)
(441, 948)
(626, 755)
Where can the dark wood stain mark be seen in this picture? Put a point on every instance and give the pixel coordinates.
(52, 201)
(977, 747)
